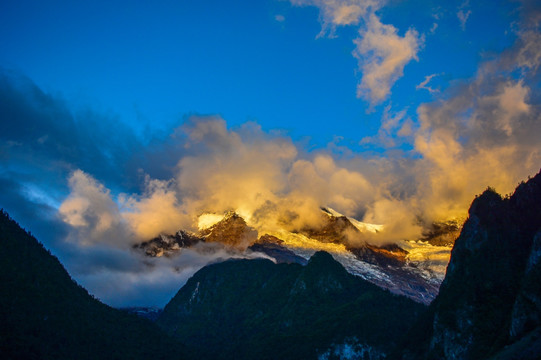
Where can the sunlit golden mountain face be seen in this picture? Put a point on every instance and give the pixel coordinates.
(413, 268)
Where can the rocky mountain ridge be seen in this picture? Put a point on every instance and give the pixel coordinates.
(387, 266)
(489, 304)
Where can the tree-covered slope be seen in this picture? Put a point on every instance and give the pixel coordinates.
(255, 309)
(44, 314)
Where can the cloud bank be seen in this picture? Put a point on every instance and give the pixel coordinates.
(382, 55)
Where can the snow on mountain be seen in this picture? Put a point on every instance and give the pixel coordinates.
(362, 226)
(413, 268)
(208, 219)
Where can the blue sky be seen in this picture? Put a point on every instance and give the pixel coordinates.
(153, 64)
(120, 120)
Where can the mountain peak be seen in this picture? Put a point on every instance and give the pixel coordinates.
(231, 230)
(492, 281)
(323, 263)
(321, 257)
(283, 311)
(486, 202)
(333, 228)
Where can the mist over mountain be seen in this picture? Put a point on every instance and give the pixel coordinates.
(416, 272)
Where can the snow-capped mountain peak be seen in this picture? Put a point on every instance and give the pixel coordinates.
(411, 268)
(361, 226)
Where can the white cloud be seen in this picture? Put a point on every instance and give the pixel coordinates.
(480, 136)
(529, 55)
(382, 55)
(157, 210)
(347, 14)
(334, 13)
(483, 134)
(151, 281)
(392, 123)
(463, 17)
(508, 106)
(424, 84)
(92, 213)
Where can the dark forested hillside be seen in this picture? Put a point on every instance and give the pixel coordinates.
(44, 314)
(489, 304)
(255, 309)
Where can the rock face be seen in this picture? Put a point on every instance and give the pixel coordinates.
(442, 233)
(340, 230)
(394, 272)
(387, 266)
(255, 309)
(168, 245)
(232, 230)
(332, 229)
(491, 295)
(386, 255)
(526, 315)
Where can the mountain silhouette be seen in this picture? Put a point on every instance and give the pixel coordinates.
(44, 314)
(489, 304)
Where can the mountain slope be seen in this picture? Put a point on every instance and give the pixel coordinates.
(232, 230)
(44, 314)
(491, 295)
(416, 274)
(248, 309)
